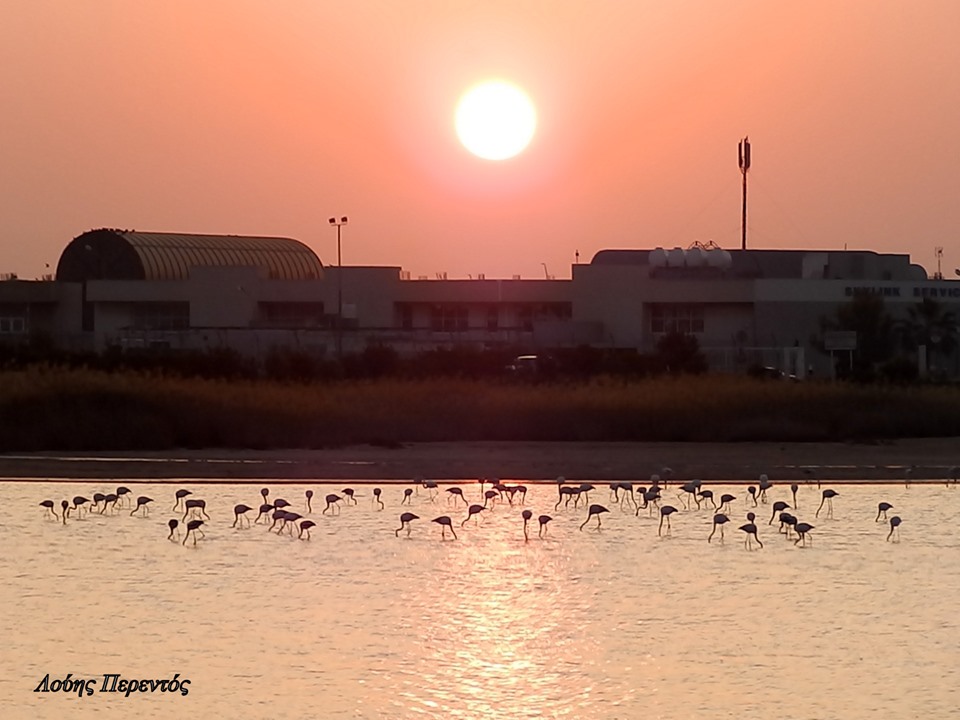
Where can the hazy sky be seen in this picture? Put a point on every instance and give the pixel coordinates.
(265, 117)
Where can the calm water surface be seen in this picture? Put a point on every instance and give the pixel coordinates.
(608, 623)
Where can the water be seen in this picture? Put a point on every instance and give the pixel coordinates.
(359, 623)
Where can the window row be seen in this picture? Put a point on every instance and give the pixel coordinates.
(455, 317)
(685, 319)
(12, 325)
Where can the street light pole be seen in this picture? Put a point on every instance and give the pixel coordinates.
(339, 224)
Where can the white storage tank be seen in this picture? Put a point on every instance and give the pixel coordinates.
(719, 258)
(696, 257)
(675, 257)
(657, 258)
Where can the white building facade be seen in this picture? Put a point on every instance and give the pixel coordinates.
(745, 307)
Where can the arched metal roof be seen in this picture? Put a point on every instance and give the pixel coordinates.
(128, 255)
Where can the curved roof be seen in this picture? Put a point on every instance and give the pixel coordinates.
(121, 255)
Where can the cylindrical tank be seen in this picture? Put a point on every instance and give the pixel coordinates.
(657, 257)
(696, 257)
(675, 257)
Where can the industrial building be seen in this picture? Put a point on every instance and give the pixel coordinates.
(164, 290)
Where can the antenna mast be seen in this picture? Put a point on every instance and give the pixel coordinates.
(743, 156)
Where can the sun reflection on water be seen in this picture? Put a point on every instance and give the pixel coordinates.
(608, 623)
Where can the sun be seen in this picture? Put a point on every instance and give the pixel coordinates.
(495, 120)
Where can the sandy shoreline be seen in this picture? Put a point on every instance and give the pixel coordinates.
(932, 458)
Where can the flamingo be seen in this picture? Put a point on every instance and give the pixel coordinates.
(280, 504)
(752, 491)
(432, 486)
(750, 529)
(707, 495)
(725, 501)
(264, 492)
(490, 496)
(407, 493)
(471, 511)
(193, 527)
(894, 528)
(289, 518)
(305, 528)
(802, 529)
(543, 520)
(376, 498)
(828, 496)
(173, 524)
(348, 493)
(882, 510)
(48, 504)
(456, 493)
(309, 495)
(405, 520)
(764, 485)
(665, 512)
(239, 514)
(279, 516)
(690, 488)
(142, 502)
(787, 521)
(445, 522)
(64, 506)
(122, 492)
(265, 509)
(526, 515)
(778, 507)
(793, 490)
(192, 505)
(332, 500)
(594, 510)
(111, 500)
(97, 499)
(719, 520)
(78, 502)
(180, 495)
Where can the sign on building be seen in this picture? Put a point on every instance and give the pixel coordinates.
(840, 340)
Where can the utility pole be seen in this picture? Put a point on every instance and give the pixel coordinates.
(339, 224)
(743, 155)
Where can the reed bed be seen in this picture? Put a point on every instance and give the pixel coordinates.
(66, 409)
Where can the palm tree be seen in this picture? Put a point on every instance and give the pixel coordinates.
(928, 323)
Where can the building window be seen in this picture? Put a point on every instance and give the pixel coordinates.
(406, 316)
(448, 318)
(685, 319)
(291, 314)
(12, 326)
(161, 316)
(493, 318)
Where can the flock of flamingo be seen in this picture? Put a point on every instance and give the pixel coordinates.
(279, 516)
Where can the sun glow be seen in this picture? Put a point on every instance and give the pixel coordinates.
(495, 120)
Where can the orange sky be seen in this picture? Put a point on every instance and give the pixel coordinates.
(253, 117)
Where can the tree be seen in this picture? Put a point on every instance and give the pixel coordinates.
(681, 354)
(876, 337)
(928, 323)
